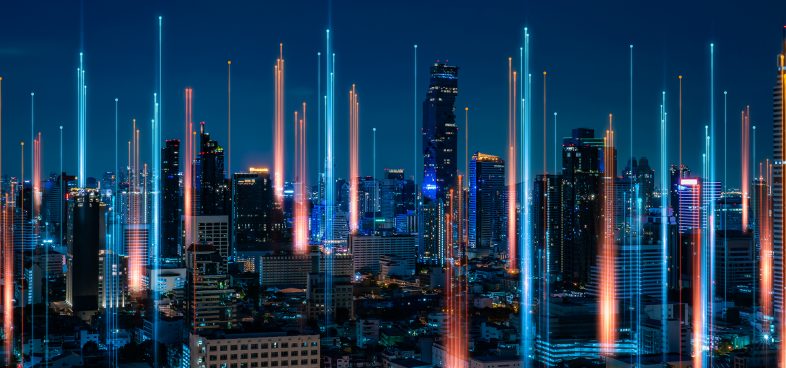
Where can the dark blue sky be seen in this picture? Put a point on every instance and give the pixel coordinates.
(582, 44)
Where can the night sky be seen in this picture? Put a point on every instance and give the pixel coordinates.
(584, 46)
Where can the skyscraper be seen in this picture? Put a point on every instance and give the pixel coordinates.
(256, 219)
(209, 299)
(547, 227)
(582, 166)
(171, 200)
(86, 236)
(211, 185)
(486, 200)
(439, 132)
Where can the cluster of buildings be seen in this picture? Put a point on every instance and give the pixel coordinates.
(426, 279)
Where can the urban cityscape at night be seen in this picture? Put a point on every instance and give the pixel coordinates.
(378, 184)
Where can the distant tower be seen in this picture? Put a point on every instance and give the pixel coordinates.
(212, 188)
(486, 201)
(171, 199)
(440, 132)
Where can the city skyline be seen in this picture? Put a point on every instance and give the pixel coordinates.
(481, 85)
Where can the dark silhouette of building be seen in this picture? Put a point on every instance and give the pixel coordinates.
(547, 225)
(171, 200)
(211, 183)
(440, 132)
(486, 201)
(639, 172)
(86, 236)
(777, 180)
(582, 168)
(256, 219)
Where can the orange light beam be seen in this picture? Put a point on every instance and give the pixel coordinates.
(278, 134)
(745, 158)
(354, 126)
(608, 307)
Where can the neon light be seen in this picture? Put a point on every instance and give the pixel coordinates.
(511, 177)
(525, 261)
(301, 196)
(745, 159)
(278, 130)
(354, 127)
(607, 252)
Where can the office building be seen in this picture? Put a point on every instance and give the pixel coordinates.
(695, 197)
(440, 132)
(171, 201)
(210, 303)
(547, 225)
(368, 250)
(256, 220)
(86, 237)
(213, 231)
(253, 350)
(211, 186)
(291, 271)
(582, 168)
(486, 203)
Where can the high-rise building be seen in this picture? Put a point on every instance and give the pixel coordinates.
(171, 200)
(256, 220)
(641, 173)
(440, 132)
(86, 237)
(676, 174)
(367, 250)
(486, 209)
(210, 304)
(547, 224)
(211, 184)
(582, 167)
(213, 231)
(695, 197)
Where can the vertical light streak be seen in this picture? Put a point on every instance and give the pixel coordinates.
(744, 202)
(526, 222)
(415, 118)
(229, 118)
(745, 158)
(512, 241)
(466, 142)
(710, 275)
(22, 206)
(354, 127)
(664, 203)
(664, 217)
(81, 91)
(765, 250)
(329, 181)
(278, 133)
(319, 110)
(608, 308)
(8, 257)
(156, 158)
(545, 128)
(373, 175)
(301, 192)
(134, 244)
(556, 145)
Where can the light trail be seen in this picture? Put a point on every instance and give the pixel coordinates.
(8, 257)
(301, 193)
(415, 118)
(526, 221)
(278, 130)
(511, 178)
(81, 91)
(664, 218)
(607, 307)
(745, 159)
(329, 177)
(134, 232)
(354, 126)
(764, 218)
(229, 117)
(188, 182)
